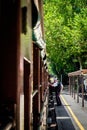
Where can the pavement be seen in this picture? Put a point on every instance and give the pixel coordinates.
(77, 113)
(70, 115)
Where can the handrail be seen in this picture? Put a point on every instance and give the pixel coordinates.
(27, 60)
(40, 85)
(9, 126)
(34, 93)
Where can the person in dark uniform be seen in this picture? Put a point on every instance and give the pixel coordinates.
(59, 88)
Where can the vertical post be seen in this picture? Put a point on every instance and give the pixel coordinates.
(69, 86)
(61, 78)
(36, 83)
(77, 90)
(38, 79)
(82, 91)
(74, 85)
(27, 94)
(40, 83)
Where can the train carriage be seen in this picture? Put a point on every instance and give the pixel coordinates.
(23, 65)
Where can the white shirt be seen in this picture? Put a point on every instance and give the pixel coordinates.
(55, 84)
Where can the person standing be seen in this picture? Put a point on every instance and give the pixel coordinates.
(59, 89)
(51, 82)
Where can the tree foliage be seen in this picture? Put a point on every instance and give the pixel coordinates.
(65, 23)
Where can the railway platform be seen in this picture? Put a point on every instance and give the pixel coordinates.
(69, 116)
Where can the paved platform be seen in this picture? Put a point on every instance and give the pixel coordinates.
(75, 110)
(70, 115)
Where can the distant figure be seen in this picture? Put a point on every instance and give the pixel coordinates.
(85, 84)
(59, 89)
(53, 83)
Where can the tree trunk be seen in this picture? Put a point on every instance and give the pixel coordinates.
(80, 62)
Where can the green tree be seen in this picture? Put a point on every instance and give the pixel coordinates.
(65, 23)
